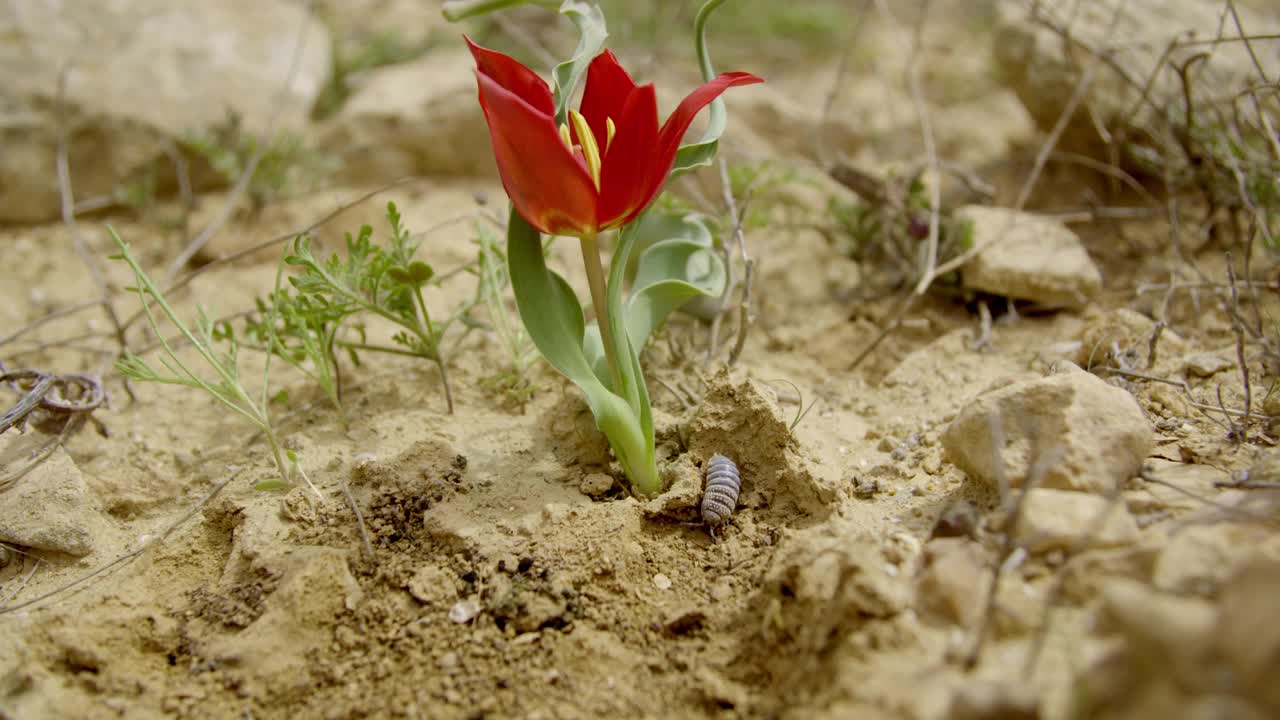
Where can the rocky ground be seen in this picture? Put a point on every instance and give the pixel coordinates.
(1039, 496)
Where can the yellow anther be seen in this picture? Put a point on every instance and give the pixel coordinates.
(590, 150)
(566, 137)
(610, 130)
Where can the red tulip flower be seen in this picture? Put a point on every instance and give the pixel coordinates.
(603, 168)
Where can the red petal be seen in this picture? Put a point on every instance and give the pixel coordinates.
(627, 167)
(605, 96)
(663, 156)
(513, 76)
(550, 188)
(674, 128)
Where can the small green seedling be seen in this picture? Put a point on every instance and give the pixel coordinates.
(306, 323)
(285, 167)
(220, 377)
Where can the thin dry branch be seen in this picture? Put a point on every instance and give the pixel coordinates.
(186, 279)
(68, 203)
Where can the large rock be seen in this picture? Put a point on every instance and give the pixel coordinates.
(138, 71)
(1063, 520)
(1028, 257)
(1043, 61)
(363, 25)
(49, 508)
(1198, 559)
(1096, 431)
(417, 118)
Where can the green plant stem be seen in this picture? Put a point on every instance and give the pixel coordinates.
(239, 401)
(431, 348)
(599, 301)
(429, 340)
(390, 350)
(717, 112)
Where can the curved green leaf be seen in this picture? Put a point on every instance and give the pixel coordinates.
(701, 153)
(547, 304)
(671, 273)
(677, 266)
(455, 10)
(553, 317)
(591, 36)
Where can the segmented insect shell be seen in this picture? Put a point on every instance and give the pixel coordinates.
(721, 495)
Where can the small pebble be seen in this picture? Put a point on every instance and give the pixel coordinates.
(464, 611)
(596, 485)
(865, 488)
(662, 581)
(1206, 364)
(722, 589)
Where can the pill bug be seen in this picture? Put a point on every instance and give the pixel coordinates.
(721, 495)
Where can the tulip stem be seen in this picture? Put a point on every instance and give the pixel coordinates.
(599, 301)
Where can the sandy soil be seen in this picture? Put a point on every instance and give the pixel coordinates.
(509, 580)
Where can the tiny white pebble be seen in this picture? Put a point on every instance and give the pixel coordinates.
(662, 581)
(464, 611)
(364, 459)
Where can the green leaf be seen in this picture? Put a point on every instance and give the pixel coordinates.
(702, 152)
(455, 10)
(416, 275)
(553, 318)
(671, 273)
(591, 36)
(677, 267)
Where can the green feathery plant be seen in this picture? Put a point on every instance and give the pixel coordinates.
(220, 378)
(305, 323)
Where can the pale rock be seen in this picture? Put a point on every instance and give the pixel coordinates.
(833, 574)
(464, 611)
(1247, 635)
(1028, 257)
(1044, 68)
(410, 22)
(1198, 558)
(1066, 520)
(682, 498)
(1177, 487)
(1122, 337)
(1164, 633)
(432, 584)
(954, 568)
(984, 699)
(415, 118)
(1266, 467)
(1206, 364)
(596, 485)
(1271, 404)
(1096, 431)
(49, 508)
(139, 72)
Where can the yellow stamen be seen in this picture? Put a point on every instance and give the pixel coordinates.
(611, 130)
(590, 150)
(566, 137)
